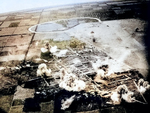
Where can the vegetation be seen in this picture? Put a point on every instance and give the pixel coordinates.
(62, 22)
(47, 107)
(16, 109)
(18, 102)
(15, 24)
(46, 55)
(60, 44)
(75, 43)
(5, 102)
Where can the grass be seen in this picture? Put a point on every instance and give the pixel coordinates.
(5, 102)
(47, 107)
(10, 63)
(16, 109)
(59, 44)
(73, 43)
(18, 102)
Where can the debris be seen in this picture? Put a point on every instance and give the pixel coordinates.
(61, 53)
(125, 93)
(66, 104)
(70, 82)
(100, 74)
(44, 50)
(140, 92)
(33, 83)
(109, 73)
(143, 86)
(42, 70)
(128, 97)
(78, 101)
(53, 49)
(116, 98)
(122, 92)
(99, 77)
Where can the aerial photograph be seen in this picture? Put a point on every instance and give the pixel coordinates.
(71, 56)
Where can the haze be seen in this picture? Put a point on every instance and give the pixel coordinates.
(17, 5)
